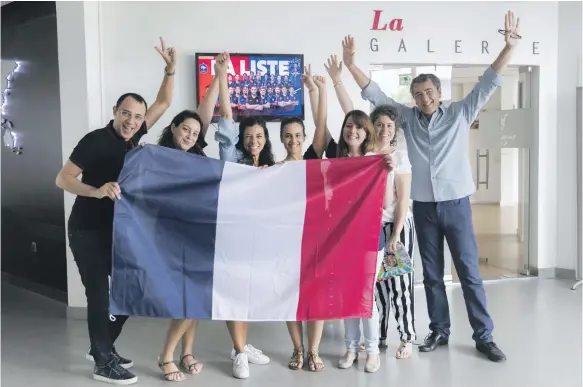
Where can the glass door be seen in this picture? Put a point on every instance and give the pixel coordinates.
(500, 143)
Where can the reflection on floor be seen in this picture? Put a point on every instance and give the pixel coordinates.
(501, 252)
(41, 347)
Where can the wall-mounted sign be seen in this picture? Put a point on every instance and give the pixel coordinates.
(382, 23)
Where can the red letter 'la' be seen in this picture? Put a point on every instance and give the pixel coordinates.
(377, 20)
(396, 25)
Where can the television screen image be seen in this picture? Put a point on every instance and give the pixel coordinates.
(266, 85)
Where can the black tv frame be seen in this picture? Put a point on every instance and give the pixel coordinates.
(237, 118)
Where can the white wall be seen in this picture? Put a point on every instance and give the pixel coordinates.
(81, 110)
(569, 76)
(130, 63)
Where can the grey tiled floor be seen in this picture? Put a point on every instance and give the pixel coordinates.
(538, 325)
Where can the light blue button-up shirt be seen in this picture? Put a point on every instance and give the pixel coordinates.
(227, 135)
(439, 148)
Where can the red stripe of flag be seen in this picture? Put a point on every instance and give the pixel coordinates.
(344, 201)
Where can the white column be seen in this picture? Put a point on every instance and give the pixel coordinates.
(81, 102)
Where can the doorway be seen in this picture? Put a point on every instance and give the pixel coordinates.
(499, 155)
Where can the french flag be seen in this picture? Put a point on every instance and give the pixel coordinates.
(199, 238)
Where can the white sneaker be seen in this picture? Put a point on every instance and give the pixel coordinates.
(347, 360)
(241, 366)
(254, 355)
(373, 363)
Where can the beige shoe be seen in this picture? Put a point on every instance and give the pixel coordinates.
(347, 360)
(373, 363)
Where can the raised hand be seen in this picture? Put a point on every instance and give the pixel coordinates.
(320, 81)
(168, 54)
(222, 63)
(334, 68)
(307, 78)
(511, 29)
(348, 51)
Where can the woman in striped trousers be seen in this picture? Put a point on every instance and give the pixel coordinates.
(396, 292)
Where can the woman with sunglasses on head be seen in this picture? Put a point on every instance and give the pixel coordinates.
(398, 225)
(293, 136)
(250, 145)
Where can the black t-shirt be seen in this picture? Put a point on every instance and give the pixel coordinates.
(101, 155)
(253, 100)
(310, 153)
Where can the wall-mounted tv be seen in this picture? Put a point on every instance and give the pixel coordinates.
(266, 85)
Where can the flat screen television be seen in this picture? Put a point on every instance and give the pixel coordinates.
(266, 85)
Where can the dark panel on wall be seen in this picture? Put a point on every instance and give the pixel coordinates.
(33, 223)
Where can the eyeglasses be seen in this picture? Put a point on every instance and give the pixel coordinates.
(127, 114)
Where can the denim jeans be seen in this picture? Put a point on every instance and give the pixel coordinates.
(370, 325)
(451, 220)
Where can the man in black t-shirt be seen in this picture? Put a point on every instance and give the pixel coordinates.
(253, 102)
(99, 157)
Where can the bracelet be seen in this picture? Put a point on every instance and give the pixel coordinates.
(337, 83)
(513, 35)
(314, 89)
(169, 74)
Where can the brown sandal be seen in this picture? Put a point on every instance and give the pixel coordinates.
(297, 360)
(315, 362)
(168, 375)
(193, 368)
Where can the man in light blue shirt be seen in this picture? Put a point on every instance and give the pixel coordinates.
(437, 140)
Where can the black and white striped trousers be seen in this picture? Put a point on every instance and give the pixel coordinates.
(397, 292)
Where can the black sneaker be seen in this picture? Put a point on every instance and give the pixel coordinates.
(122, 361)
(112, 372)
(492, 351)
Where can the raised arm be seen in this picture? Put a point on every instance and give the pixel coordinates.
(206, 109)
(511, 37)
(314, 96)
(492, 77)
(321, 135)
(221, 66)
(370, 90)
(227, 134)
(308, 81)
(334, 69)
(164, 97)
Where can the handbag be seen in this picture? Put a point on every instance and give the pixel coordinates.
(395, 263)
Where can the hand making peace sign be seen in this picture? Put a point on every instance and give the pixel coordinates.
(308, 78)
(168, 54)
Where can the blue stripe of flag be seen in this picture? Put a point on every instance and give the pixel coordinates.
(171, 274)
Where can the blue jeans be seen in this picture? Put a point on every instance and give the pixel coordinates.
(451, 220)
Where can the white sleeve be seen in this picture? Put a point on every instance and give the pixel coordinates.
(403, 165)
